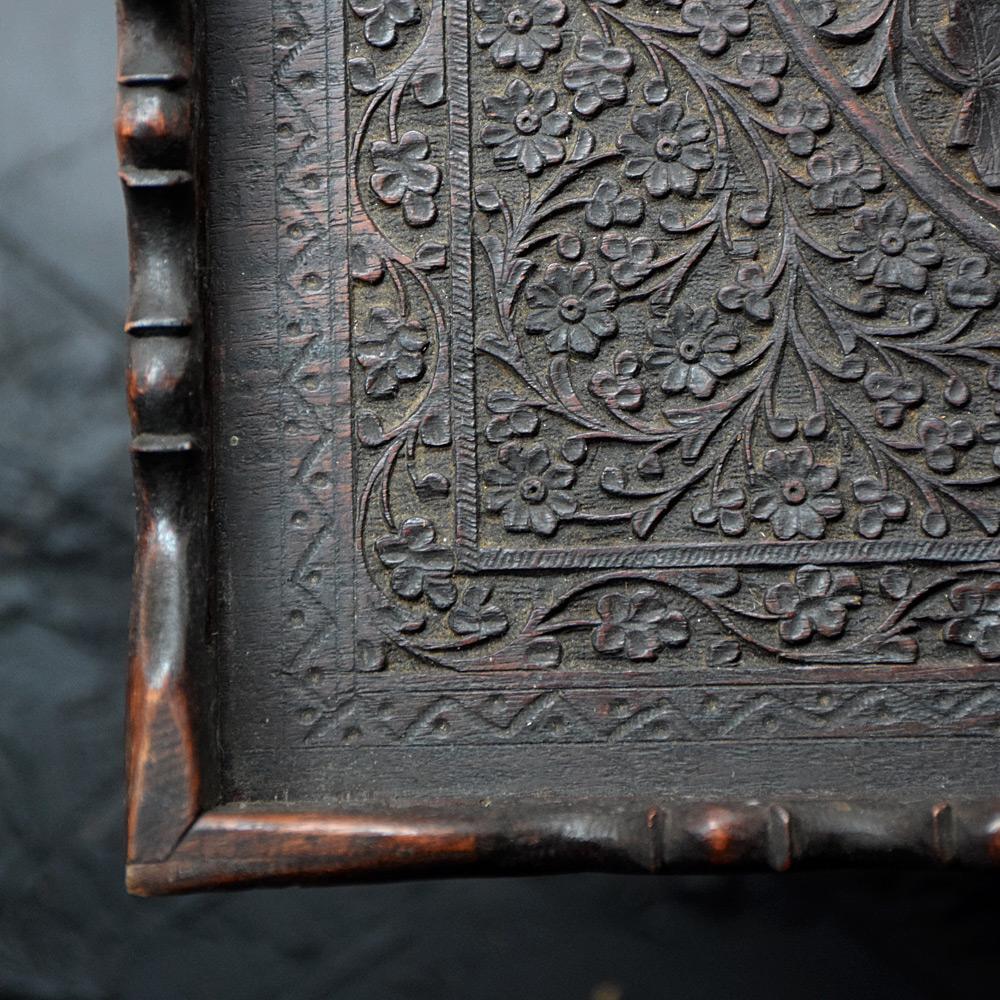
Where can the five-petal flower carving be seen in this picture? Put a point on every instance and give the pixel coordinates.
(638, 626)
(620, 389)
(839, 179)
(524, 128)
(421, 567)
(892, 246)
(597, 76)
(391, 351)
(402, 174)
(815, 604)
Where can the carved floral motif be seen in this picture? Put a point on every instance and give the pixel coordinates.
(708, 308)
(572, 309)
(690, 353)
(816, 604)
(391, 352)
(383, 18)
(666, 148)
(403, 175)
(795, 494)
(892, 248)
(420, 567)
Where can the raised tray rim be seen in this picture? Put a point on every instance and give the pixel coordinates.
(180, 837)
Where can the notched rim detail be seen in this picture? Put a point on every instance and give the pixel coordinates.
(156, 134)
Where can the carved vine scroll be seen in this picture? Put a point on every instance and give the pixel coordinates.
(673, 334)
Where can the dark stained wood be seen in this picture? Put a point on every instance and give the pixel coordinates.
(566, 434)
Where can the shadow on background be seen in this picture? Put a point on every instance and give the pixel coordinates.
(67, 930)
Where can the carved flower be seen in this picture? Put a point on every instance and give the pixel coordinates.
(942, 440)
(529, 490)
(968, 40)
(666, 149)
(978, 618)
(972, 287)
(793, 493)
(608, 206)
(597, 76)
(512, 417)
(402, 174)
(803, 119)
(692, 354)
(620, 390)
(632, 258)
(878, 505)
(520, 31)
(893, 396)
(839, 179)
(726, 512)
(383, 17)
(573, 309)
(420, 566)
(892, 247)
(761, 71)
(475, 615)
(638, 626)
(717, 21)
(525, 128)
(749, 293)
(391, 351)
(815, 604)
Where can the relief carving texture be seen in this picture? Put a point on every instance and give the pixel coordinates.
(672, 352)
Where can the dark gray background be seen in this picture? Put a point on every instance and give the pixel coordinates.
(67, 929)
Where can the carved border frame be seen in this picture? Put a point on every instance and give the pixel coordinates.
(180, 837)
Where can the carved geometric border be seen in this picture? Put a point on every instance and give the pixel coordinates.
(700, 713)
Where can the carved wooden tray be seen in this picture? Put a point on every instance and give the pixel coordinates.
(567, 435)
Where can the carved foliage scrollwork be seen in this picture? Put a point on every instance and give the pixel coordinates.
(708, 311)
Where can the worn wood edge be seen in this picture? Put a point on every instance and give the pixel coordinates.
(156, 129)
(239, 846)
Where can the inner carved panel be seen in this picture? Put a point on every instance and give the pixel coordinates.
(673, 354)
